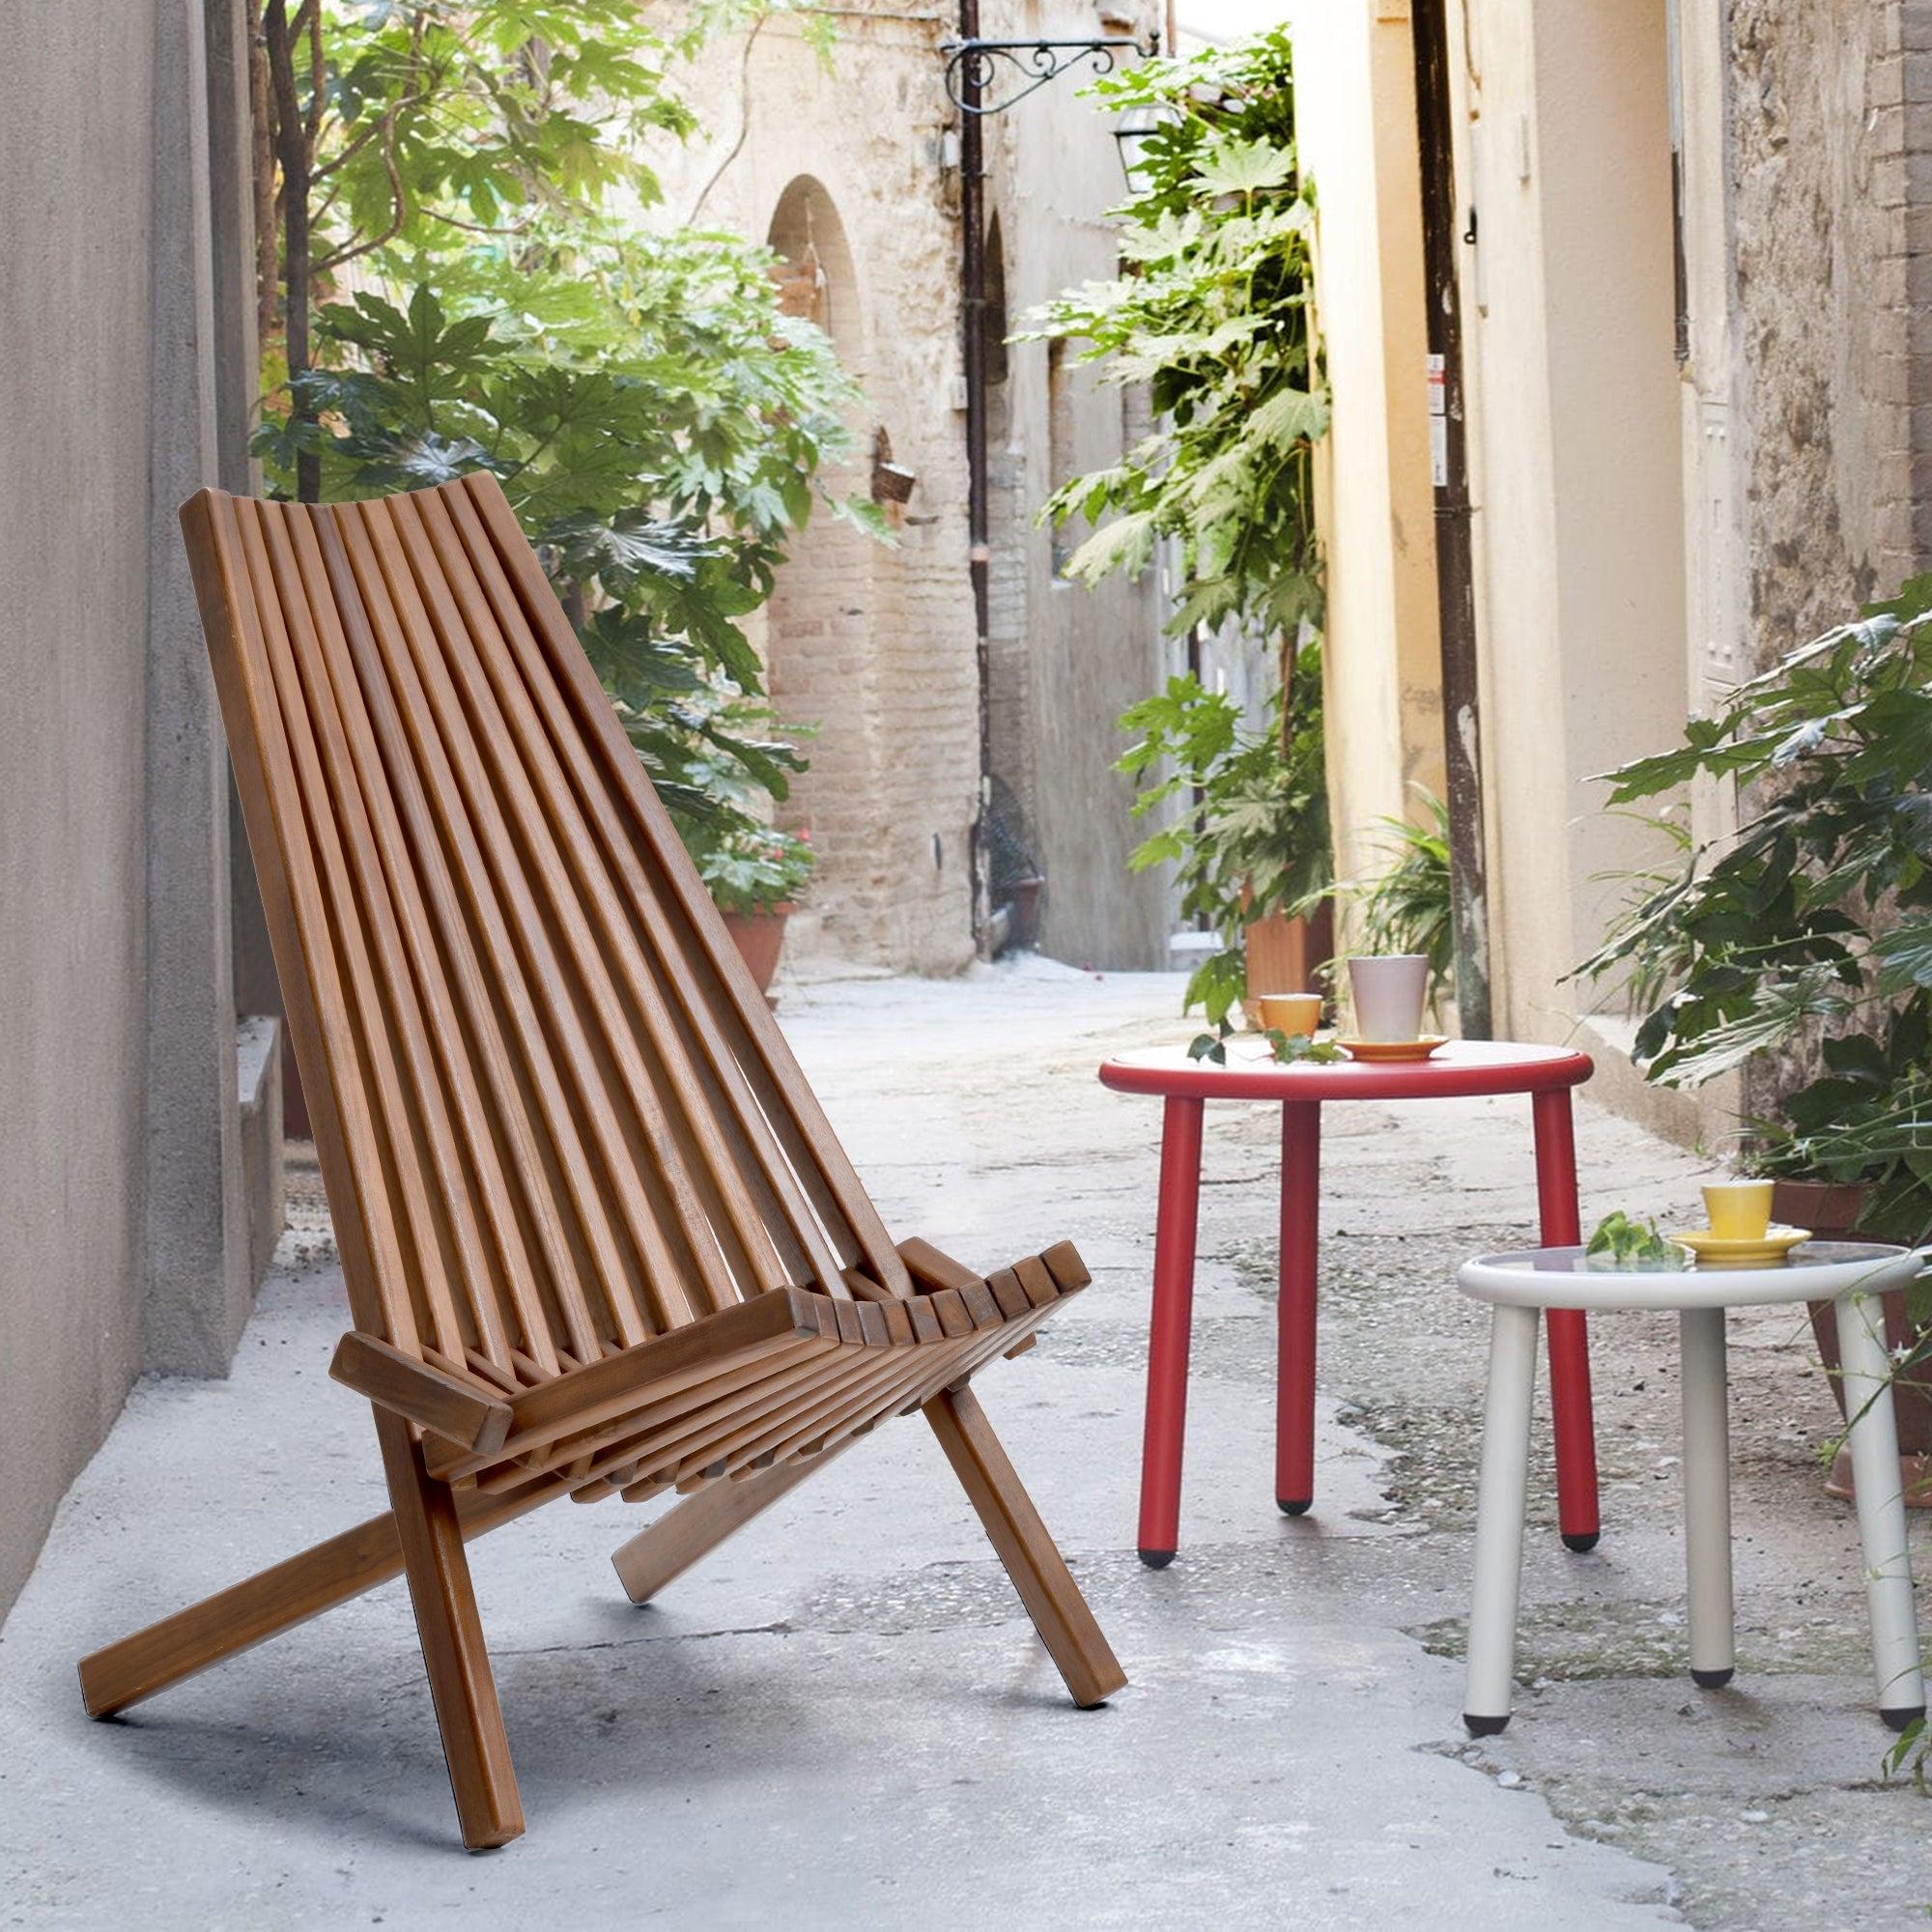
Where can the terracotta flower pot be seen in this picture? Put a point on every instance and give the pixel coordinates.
(1830, 1209)
(759, 937)
(1282, 954)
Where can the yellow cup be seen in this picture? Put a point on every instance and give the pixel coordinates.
(1292, 1012)
(1739, 1210)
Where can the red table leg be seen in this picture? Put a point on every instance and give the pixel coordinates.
(1167, 1339)
(1569, 1343)
(1294, 1314)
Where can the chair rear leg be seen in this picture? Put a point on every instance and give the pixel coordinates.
(1040, 1573)
(474, 1744)
(689, 1533)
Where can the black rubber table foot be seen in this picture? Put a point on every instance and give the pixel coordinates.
(1713, 1680)
(1301, 1508)
(1904, 1717)
(1582, 1540)
(1484, 1727)
(1157, 1559)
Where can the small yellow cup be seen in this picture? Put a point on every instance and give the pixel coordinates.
(1292, 1012)
(1739, 1210)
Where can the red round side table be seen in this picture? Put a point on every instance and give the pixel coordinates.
(1463, 1067)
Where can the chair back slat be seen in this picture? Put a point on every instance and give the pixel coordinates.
(551, 935)
(491, 1134)
(778, 1229)
(534, 1127)
(810, 1148)
(350, 822)
(554, 1112)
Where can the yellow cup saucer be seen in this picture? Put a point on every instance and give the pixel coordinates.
(1391, 1052)
(1719, 1251)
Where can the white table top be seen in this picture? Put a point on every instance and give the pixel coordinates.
(1817, 1271)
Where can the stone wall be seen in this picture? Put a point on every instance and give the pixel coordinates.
(1832, 170)
(1831, 125)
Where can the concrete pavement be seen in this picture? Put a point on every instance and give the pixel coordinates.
(844, 1717)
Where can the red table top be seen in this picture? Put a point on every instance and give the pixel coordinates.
(1464, 1067)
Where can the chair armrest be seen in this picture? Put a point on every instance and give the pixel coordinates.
(423, 1395)
(932, 1273)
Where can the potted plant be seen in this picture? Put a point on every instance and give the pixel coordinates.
(1213, 311)
(755, 873)
(1251, 850)
(1801, 951)
(1409, 908)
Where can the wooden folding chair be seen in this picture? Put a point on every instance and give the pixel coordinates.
(597, 1235)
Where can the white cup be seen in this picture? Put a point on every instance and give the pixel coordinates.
(1388, 995)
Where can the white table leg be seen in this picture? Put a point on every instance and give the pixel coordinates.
(1500, 1501)
(1707, 1495)
(1880, 1504)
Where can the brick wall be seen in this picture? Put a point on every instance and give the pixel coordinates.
(877, 646)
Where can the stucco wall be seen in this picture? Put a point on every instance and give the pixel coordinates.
(122, 1200)
(73, 312)
(1576, 463)
(1067, 661)
(1356, 129)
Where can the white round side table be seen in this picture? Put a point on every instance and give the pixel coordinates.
(1520, 1286)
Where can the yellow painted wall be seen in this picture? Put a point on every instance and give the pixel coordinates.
(1355, 123)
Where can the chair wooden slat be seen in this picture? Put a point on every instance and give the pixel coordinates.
(577, 1120)
(734, 1137)
(292, 897)
(457, 1003)
(554, 942)
(404, 1229)
(582, 895)
(536, 1133)
(814, 1148)
(382, 876)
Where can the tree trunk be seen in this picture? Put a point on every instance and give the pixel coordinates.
(262, 128)
(293, 155)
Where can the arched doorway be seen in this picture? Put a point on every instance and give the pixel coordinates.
(819, 655)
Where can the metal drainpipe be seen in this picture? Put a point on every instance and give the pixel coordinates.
(1454, 579)
(972, 294)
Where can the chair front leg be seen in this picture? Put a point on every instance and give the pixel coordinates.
(1881, 1505)
(474, 1744)
(1046, 1587)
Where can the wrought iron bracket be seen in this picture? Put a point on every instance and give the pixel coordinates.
(973, 67)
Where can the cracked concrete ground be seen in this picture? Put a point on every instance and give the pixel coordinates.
(843, 1718)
